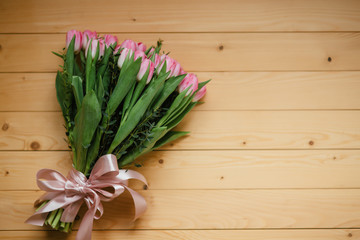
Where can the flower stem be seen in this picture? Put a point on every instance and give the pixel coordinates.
(56, 222)
(53, 220)
(51, 217)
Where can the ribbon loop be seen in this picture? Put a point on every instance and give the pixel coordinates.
(105, 183)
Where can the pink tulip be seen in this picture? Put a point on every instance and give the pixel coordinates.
(156, 60)
(93, 48)
(172, 66)
(191, 81)
(78, 37)
(125, 53)
(143, 68)
(116, 50)
(86, 36)
(139, 54)
(176, 69)
(130, 44)
(168, 60)
(110, 40)
(151, 52)
(199, 94)
(141, 47)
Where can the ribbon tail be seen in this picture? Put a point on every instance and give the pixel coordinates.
(37, 219)
(139, 203)
(84, 232)
(60, 201)
(86, 225)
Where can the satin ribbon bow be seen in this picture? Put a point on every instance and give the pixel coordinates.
(105, 183)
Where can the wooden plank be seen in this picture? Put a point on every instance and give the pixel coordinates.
(209, 130)
(211, 209)
(207, 169)
(227, 91)
(306, 234)
(185, 16)
(28, 92)
(206, 51)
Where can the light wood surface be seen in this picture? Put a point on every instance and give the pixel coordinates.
(182, 16)
(211, 209)
(274, 153)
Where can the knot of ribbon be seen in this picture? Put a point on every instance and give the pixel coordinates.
(105, 183)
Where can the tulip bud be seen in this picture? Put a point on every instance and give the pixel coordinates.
(86, 36)
(199, 94)
(143, 68)
(163, 59)
(172, 66)
(78, 40)
(139, 54)
(141, 47)
(110, 40)
(116, 50)
(93, 48)
(151, 52)
(125, 53)
(156, 60)
(176, 69)
(191, 81)
(130, 44)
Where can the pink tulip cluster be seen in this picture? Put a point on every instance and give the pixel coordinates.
(88, 39)
(130, 49)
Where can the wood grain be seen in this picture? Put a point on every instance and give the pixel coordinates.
(219, 130)
(207, 169)
(244, 91)
(211, 209)
(183, 16)
(205, 51)
(323, 234)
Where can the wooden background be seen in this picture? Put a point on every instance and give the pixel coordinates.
(274, 153)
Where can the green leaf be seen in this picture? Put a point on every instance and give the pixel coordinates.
(169, 137)
(106, 79)
(64, 96)
(100, 91)
(93, 151)
(69, 60)
(169, 87)
(78, 90)
(201, 84)
(86, 123)
(158, 133)
(123, 86)
(176, 103)
(187, 100)
(137, 112)
(139, 88)
(127, 100)
(58, 54)
(89, 84)
(176, 121)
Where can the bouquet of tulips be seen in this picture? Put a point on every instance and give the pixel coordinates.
(120, 99)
